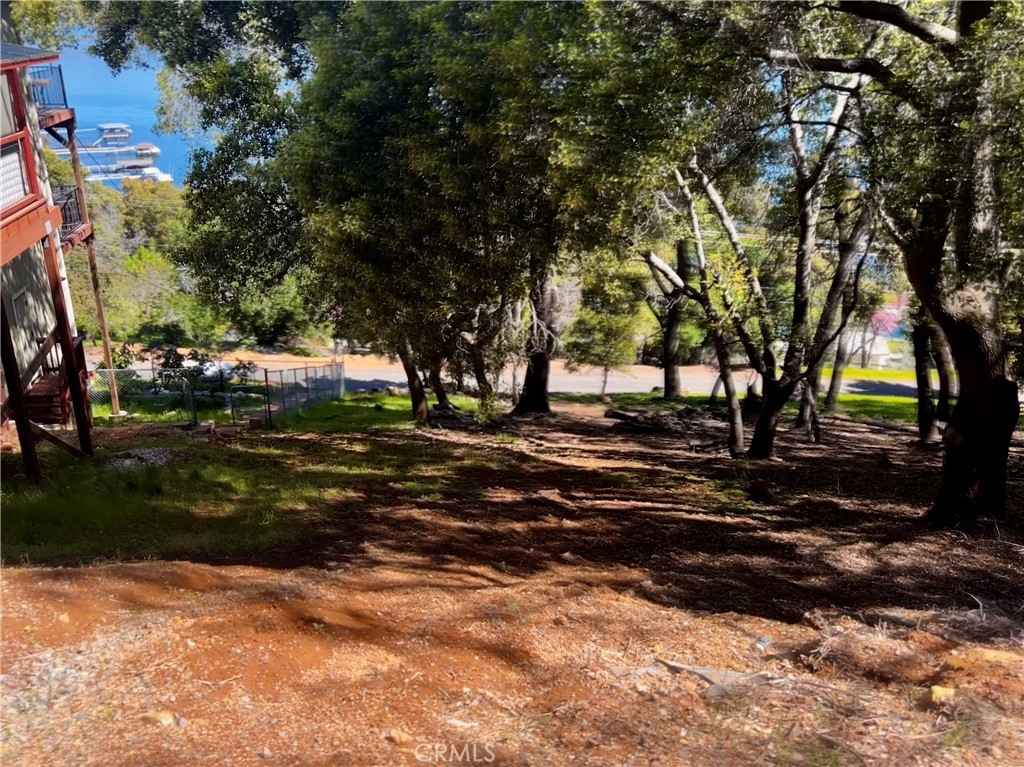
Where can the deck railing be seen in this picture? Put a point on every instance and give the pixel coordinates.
(66, 196)
(48, 87)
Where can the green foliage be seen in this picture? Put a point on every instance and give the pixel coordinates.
(274, 317)
(611, 312)
(58, 170)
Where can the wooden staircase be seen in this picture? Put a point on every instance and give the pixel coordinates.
(49, 400)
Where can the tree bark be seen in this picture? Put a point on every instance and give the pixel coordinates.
(670, 347)
(835, 386)
(417, 393)
(484, 388)
(715, 389)
(927, 430)
(534, 396)
(809, 398)
(443, 403)
(539, 348)
(732, 401)
(943, 359)
(775, 394)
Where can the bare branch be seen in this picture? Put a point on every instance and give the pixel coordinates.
(718, 205)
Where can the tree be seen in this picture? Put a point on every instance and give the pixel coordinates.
(932, 149)
(605, 331)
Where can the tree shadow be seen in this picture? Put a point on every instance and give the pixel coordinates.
(837, 526)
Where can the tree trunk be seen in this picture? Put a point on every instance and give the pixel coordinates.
(534, 396)
(865, 347)
(604, 382)
(484, 389)
(775, 395)
(944, 365)
(417, 394)
(443, 403)
(716, 388)
(835, 386)
(670, 347)
(809, 398)
(926, 427)
(809, 411)
(539, 348)
(731, 399)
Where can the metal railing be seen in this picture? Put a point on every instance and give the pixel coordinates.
(48, 86)
(65, 196)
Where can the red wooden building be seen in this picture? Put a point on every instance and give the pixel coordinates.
(44, 369)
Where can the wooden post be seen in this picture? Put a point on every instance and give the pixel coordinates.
(101, 314)
(16, 394)
(67, 348)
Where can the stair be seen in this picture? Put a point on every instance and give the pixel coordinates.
(49, 401)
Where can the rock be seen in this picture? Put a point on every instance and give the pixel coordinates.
(719, 691)
(266, 754)
(164, 718)
(937, 695)
(64, 618)
(462, 724)
(190, 644)
(398, 737)
(181, 721)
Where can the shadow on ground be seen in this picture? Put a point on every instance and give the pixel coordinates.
(833, 525)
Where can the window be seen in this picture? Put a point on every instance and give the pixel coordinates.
(18, 183)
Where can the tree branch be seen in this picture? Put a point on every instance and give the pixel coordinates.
(929, 32)
(860, 66)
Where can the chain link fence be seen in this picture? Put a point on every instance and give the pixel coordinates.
(236, 395)
(152, 396)
(289, 391)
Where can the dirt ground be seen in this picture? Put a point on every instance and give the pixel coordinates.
(621, 600)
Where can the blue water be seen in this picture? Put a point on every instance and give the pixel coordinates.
(131, 97)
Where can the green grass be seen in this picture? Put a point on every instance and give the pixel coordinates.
(870, 374)
(358, 412)
(157, 413)
(877, 408)
(264, 490)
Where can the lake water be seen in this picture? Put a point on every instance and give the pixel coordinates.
(131, 97)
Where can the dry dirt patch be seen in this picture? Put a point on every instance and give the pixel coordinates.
(543, 617)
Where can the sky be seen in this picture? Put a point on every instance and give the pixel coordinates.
(97, 96)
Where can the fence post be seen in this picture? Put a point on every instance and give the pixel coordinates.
(266, 395)
(194, 410)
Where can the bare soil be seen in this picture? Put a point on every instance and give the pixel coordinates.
(544, 616)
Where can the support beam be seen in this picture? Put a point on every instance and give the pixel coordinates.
(16, 399)
(67, 347)
(53, 439)
(101, 314)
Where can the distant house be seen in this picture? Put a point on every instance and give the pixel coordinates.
(44, 369)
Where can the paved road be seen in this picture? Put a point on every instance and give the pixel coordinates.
(367, 372)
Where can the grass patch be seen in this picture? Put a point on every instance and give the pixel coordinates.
(215, 500)
(358, 412)
(155, 412)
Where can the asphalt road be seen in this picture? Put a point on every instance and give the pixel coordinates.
(368, 372)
